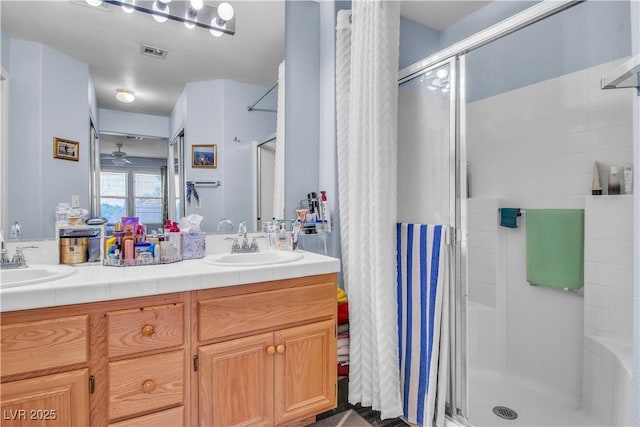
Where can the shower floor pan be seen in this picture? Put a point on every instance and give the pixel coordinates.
(534, 408)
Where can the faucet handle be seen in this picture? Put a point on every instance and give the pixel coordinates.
(18, 258)
(4, 259)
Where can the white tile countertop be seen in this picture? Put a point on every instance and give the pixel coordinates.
(95, 282)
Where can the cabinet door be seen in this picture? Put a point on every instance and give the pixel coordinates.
(305, 370)
(51, 400)
(236, 382)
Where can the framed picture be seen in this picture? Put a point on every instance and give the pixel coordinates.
(65, 149)
(204, 156)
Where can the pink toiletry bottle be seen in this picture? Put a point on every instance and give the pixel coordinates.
(325, 213)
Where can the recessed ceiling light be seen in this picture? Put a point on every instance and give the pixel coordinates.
(125, 95)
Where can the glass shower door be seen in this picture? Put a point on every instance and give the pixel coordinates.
(427, 184)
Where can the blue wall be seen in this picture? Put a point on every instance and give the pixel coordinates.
(216, 113)
(417, 41)
(587, 34)
(302, 101)
(47, 98)
(583, 36)
(133, 123)
(481, 19)
(5, 50)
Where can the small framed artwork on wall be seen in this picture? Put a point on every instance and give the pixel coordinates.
(204, 156)
(65, 149)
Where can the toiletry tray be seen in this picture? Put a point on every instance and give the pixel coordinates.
(138, 262)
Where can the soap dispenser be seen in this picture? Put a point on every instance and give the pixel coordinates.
(282, 238)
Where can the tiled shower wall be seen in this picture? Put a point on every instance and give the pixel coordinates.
(535, 147)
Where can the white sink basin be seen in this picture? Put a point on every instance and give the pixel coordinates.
(34, 274)
(253, 258)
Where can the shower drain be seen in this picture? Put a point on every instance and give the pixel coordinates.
(504, 412)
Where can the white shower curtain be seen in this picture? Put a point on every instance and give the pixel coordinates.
(278, 185)
(367, 75)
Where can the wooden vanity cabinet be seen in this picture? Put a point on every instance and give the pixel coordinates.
(266, 353)
(44, 364)
(261, 354)
(118, 363)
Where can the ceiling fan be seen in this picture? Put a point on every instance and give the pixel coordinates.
(118, 157)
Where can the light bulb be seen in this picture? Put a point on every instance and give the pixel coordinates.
(197, 4)
(190, 17)
(165, 1)
(442, 73)
(225, 11)
(160, 7)
(216, 22)
(94, 3)
(128, 9)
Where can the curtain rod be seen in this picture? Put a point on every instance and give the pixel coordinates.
(250, 107)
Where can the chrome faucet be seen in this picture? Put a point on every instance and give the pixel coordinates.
(17, 261)
(225, 225)
(244, 246)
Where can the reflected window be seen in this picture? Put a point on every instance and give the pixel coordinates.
(131, 194)
(148, 197)
(113, 195)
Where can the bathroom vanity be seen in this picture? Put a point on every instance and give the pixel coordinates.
(230, 346)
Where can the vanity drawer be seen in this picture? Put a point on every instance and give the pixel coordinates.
(146, 383)
(146, 328)
(171, 417)
(245, 313)
(32, 346)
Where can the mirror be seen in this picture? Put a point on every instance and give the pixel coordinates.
(134, 179)
(50, 51)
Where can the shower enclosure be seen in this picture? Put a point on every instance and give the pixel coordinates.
(514, 116)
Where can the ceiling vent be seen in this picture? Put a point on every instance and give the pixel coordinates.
(154, 52)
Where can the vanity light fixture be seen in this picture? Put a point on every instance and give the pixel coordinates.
(125, 95)
(218, 20)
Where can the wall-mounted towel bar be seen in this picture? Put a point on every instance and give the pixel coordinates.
(212, 183)
(520, 211)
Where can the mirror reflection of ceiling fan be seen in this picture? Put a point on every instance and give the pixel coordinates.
(118, 157)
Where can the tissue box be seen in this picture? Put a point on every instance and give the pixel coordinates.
(193, 245)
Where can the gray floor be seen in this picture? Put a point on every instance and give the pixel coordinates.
(369, 415)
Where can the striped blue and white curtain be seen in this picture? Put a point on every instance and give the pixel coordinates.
(423, 320)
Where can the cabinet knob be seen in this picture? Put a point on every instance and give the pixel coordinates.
(148, 330)
(280, 348)
(271, 350)
(148, 386)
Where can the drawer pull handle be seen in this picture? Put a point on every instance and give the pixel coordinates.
(148, 386)
(271, 350)
(148, 330)
(280, 348)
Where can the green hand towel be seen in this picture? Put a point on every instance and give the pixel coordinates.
(555, 247)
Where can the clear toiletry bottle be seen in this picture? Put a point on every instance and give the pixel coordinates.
(627, 173)
(270, 231)
(614, 180)
(282, 238)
